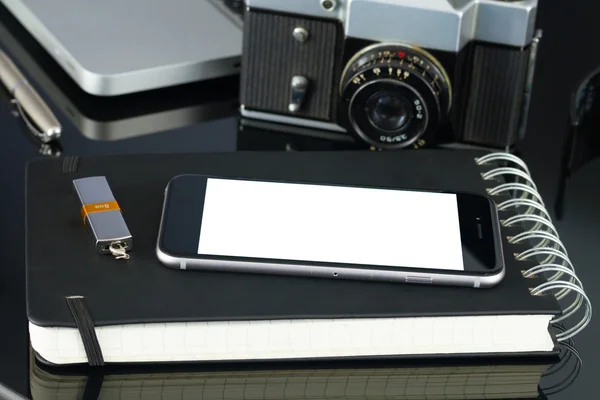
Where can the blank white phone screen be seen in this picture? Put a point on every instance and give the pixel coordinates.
(331, 224)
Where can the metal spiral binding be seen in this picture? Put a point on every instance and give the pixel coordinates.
(546, 246)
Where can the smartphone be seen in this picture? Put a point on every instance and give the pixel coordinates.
(330, 231)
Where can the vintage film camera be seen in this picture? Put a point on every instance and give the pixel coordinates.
(395, 73)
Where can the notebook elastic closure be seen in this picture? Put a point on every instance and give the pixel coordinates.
(85, 325)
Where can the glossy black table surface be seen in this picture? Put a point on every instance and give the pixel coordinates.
(202, 118)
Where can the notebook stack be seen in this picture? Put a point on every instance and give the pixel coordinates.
(143, 312)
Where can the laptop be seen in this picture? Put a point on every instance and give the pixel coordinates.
(115, 47)
(117, 117)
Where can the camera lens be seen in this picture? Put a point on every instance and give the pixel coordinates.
(388, 111)
(388, 114)
(393, 94)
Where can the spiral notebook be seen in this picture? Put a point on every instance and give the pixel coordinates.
(140, 311)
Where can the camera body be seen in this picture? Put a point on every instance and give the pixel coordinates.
(395, 73)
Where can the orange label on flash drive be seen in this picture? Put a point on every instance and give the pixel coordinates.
(98, 207)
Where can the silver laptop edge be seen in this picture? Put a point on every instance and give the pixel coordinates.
(130, 82)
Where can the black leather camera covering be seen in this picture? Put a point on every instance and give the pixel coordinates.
(271, 57)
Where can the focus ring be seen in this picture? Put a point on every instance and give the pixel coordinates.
(393, 71)
(408, 58)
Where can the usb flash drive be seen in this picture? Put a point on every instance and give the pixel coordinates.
(102, 216)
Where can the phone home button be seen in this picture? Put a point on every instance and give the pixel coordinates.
(418, 279)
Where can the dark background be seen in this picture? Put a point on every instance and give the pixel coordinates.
(568, 51)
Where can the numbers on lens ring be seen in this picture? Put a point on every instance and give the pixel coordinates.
(393, 139)
(419, 108)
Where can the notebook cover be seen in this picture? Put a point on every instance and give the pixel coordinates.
(61, 260)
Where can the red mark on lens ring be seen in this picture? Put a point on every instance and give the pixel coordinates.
(401, 54)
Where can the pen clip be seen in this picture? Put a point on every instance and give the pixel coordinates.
(51, 148)
(30, 125)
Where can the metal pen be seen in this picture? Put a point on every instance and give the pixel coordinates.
(36, 114)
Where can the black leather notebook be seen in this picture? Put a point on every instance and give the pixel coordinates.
(146, 312)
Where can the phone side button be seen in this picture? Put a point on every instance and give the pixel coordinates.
(418, 279)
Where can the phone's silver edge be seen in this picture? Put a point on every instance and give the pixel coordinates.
(492, 280)
(308, 270)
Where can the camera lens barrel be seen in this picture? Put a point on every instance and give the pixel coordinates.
(394, 93)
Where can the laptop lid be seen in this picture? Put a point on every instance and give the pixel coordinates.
(114, 47)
